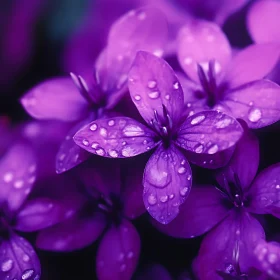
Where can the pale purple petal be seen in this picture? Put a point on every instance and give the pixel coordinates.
(204, 209)
(200, 42)
(263, 21)
(268, 256)
(69, 154)
(244, 163)
(72, 234)
(152, 84)
(57, 99)
(18, 259)
(118, 137)
(264, 193)
(230, 243)
(118, 252)
(209, 132)
(252, 63)
(18, 174)
(167, 183)
(257, 103)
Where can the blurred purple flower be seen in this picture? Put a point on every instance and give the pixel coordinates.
(60, 100)
(158, 96)
(233, 85)
(108, 197)
(228, 213)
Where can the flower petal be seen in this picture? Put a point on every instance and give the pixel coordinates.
(118, 137)
(204, 209)
(265, 192)
(155, 271)
(199, 42)
(257, 103)
(167, 183)
(152, 84)
(229, 247)
(118, 253)
(209, 132)
(244, 163)
(72, 234)
(18, 260)
(56, 99)
(17, 173)
(268, 255)
(252, 63)
(69, 154)
(263, 21)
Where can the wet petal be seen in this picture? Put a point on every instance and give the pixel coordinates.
(204, 209)
(143, 29)
(264, 193)
(257, 103)
(18, 174)
(244, 163)
(69, 154)
(200, 42)
(167, 183)
(152, 84)
(228, 246)
(18, 260)
(118, 252)
(73, 234)
(263, 21)
(56, 99)
(252, 63)
(209, 132)
(268, 256)
(118, 137)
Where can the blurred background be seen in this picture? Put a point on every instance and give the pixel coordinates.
(45, 38)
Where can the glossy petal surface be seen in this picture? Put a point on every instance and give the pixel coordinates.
(118, 252)
(55, 99)
(18, 259)
(202, 211)
(167, 183)
(200, 42)
(118, 137)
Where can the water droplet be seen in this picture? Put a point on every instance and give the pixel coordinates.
(212, 150)
(124, 143)
(100, 152)
(189, 177)
(113, 153)
(184, 191)
(223, 123)
(152, 84)
(18, 184)
(123, 267)
(154, 94)
(121, 257)
(8, 177)
(62, 157)
(199, 148)
(27, 274)
(188, 60)
(182, 170)
(103, 132)
(85, 142)
(133, 130)
(152, 199)
(26, 258)
(198, 120)
(251, 103)
(93, 127)
(111, 122)
(167, 97)
(277, 187)
(32, 168)
(158, 52)
(130, 255)
(171, 196)
(7, 265)
(254, 115)
(145, 142)
(272, 258)
(176, 85)
(137, 97)
(142, 16)
(191, 113)
(37, 277)
(128, 152)
(94, 145)
(164, 198)
(189, 105)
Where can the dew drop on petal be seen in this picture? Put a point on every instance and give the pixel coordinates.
(176, 85)
(164, 198)
(130, 255)
(100, 152)
(198, 120)
(93, 127)
(137, 97)
(27, 274)
(121, 257)
(189, 177)
(152, 84)
(85, 142)
(277, 187)
(111, 122)
(18, 184)
(142, 16)
(184, 191)
(128, 152)
(7, 265)
(171, 196)
(198, 148)
(103, 132)
(26, 258)
(255, 115)
(124, 143)
(167, 96)
(133, 130)
(152, 199)
(223, 123)
(188, 60)
(182, 170)
(272, 258)
(113, 153)
(8, 177)
(212, 150)
(154, 94)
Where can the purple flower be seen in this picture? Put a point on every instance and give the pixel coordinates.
(108, 197)
(60, 100)
(233, 85)
(228, 213)
(158, 96)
